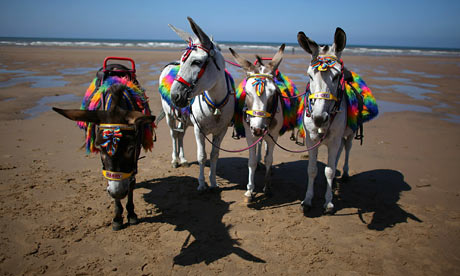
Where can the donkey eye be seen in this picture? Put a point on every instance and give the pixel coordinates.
(196, 62)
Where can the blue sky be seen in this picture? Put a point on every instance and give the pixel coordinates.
(420, 23)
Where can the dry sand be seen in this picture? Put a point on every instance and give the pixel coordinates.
(398, 215)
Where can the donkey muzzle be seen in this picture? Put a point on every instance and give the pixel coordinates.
(320, 120)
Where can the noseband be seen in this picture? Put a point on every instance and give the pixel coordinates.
(211, 55)
(323, 63)
(259, 85)
(112, 133)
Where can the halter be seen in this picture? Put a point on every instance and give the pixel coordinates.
(259, 84)
(112, 133)
(211, 55)
(323, 63)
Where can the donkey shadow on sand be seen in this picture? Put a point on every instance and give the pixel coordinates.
(376, 191)
(201, 215)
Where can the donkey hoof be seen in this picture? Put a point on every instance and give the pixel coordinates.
(304, 207)
(174, 165)
(132, 219)
(248, 199)
(185, 164)
(117, 224)
(329, 210)
(345, 177)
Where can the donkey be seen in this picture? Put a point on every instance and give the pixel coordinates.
(118, 136)
(325, 118)
(203, 84)
(178, 119)
(262, 116)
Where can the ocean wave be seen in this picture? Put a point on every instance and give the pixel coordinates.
(241, 46)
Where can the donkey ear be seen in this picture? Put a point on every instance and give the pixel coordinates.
(340, 40)
(246, 65)
(204, 39)
(277, 58)
(307, 44)
(138, 118)
(89, 116)
(181, 33)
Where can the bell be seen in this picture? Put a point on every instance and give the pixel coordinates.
(217, 112)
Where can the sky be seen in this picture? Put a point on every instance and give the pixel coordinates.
(412, 23)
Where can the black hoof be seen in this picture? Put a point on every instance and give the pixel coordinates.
(305, 208)
(175, 165)
(185, 164)
(132, 219)
(117, 224)
(345, 177)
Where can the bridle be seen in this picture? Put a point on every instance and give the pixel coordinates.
(211, 56)
(259, 84)
(323, 63)
(112, 133)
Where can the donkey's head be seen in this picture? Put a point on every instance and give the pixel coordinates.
(325, 73)
(118, 137)
(199, 66)
(261, 91)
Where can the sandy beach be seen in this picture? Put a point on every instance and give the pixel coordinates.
(398, 215)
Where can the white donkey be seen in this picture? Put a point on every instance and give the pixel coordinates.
(262, 116)
(178, 119)
(202, 83)
(325, 118)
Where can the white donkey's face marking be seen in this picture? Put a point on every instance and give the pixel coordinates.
(327, 82)
(260, 99)
(199, 66)
(261, 91)
(325, 72)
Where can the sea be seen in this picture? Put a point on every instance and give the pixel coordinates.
(237, 45)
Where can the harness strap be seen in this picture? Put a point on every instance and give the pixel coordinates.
(116, 176)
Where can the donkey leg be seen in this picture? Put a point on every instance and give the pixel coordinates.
(201, 157)
(268, 166)
(348, 144)
(252, 166)
(172, 125)
(216, 140)
(259, 154)
(132, 217)
(180, 140)
(312, 172)
(117, 221)
(329, 172)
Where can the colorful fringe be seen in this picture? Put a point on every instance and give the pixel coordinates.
(135, 99)
(292, 107)
(167, 81)
(370, 109)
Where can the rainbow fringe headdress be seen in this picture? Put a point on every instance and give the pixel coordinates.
(370, 109)
(167, 81)
(292, 107)
(135, 99)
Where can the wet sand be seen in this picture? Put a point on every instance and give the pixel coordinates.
(398, 214)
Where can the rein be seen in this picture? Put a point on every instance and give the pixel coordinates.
(230, 151)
